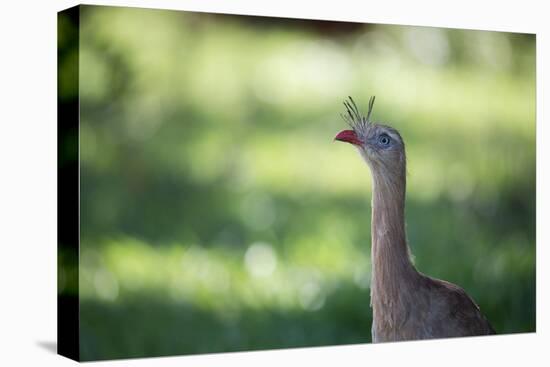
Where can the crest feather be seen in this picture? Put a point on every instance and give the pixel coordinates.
(353, 116)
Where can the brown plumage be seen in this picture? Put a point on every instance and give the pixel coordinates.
(406, 304)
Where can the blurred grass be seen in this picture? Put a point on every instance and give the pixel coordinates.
(218, 215)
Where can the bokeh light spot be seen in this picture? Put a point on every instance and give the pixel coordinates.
(260, 260)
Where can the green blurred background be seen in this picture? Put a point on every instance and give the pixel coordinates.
(217, 213)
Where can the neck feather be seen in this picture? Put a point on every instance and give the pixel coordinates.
(392, 271)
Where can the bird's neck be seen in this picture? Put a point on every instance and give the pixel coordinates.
(392, 271)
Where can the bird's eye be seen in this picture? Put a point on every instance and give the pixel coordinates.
(384, 140)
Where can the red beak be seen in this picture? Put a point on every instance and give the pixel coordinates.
(349, 136)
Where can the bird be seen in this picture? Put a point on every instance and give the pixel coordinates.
(406, 304)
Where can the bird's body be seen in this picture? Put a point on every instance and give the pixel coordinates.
(406, 304)
(431, 309)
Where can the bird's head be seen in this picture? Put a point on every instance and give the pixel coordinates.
(381, 146)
